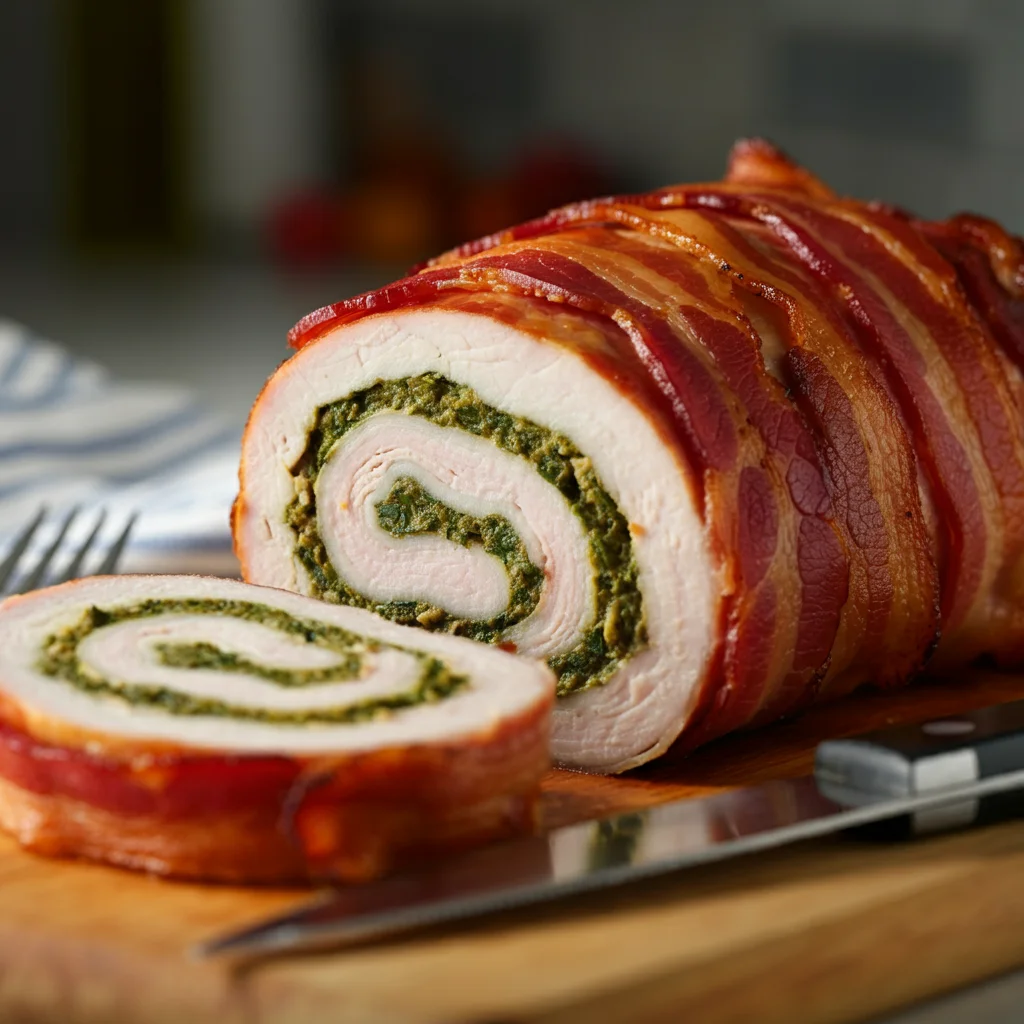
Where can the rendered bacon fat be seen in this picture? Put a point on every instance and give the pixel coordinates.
(801, 416)
(210, 729)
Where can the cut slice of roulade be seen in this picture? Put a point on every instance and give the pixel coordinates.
(209, 729)
(713, 452)
(447, 469)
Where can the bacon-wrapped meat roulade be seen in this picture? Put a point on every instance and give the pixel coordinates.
(713, 452)
(209, 729)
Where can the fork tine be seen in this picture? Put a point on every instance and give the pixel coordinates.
(109, 563)
(74, 568)
(36, 575)
(18, 549)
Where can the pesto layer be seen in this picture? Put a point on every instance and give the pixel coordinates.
(409, 509)
(619, 630)
(59, 659)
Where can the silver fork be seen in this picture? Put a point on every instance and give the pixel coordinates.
(36, 574)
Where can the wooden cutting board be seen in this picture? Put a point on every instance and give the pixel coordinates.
(827, 931)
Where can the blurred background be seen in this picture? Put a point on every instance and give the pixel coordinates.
(182, 179)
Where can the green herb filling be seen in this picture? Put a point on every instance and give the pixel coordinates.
(619, 629)
(59, 659)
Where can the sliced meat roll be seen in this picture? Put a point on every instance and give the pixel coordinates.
(713, 452)
(209, 729)
(449, 469)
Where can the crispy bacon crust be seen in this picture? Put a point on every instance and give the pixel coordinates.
(872, 520)
(259, 819)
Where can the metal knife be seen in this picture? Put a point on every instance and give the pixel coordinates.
(897, 782)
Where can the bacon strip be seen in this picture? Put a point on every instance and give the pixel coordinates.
(845, 383)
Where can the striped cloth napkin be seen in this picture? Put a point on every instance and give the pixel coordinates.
(71, 436)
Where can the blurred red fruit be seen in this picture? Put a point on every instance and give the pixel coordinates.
(306, 229)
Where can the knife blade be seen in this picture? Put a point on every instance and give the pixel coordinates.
(951, 773)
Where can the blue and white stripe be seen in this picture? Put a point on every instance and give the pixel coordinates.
(71, 435)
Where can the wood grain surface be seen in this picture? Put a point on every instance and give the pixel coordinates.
(828, 931)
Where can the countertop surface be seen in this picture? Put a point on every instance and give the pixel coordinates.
(218, 327)
(998, 1001)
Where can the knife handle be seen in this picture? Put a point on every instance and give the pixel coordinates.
(912, 760)
(909, 760)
